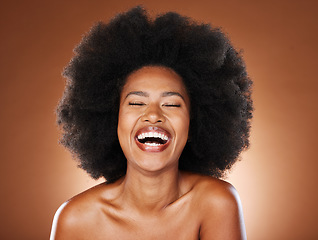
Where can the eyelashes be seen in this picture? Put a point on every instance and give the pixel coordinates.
(143, 104)
(136, 104)
(172, 105)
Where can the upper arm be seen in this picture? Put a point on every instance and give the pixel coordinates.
(222, 215)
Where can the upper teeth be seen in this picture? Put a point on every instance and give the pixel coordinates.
(152, 135)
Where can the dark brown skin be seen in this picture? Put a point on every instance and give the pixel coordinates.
(207, 209)
(154, 200)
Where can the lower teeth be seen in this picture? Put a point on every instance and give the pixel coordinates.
(152, 144)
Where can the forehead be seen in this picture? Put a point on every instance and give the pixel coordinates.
(154, 79)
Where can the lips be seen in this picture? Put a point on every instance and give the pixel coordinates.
(152, 139)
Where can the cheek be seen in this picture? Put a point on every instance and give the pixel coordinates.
(126, 122)
(122, 128)
(182, 126)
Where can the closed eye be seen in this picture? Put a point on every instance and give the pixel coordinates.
(136, 104)
(172, 105)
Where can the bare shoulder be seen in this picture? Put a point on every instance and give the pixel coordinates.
(211, 189)
(215, 191)
(79, 213)
(220, 209)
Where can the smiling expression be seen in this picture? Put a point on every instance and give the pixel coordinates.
(153, 119)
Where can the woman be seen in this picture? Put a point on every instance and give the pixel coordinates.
(161, 109)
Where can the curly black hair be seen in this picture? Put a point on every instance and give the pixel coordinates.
(212, 70)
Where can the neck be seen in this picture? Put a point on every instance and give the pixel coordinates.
(151, 192)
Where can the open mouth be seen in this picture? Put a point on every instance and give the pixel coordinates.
(152, 139)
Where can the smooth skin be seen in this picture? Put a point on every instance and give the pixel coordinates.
(154, 200)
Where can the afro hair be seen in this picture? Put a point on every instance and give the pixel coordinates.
(212, 70)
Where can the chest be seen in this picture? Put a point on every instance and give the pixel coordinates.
(174, 228)
(175, 223)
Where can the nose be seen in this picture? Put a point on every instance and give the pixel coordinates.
(153, 114)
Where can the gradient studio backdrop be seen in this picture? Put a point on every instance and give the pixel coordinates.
(276, 178)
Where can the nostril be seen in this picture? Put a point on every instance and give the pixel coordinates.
(153, 118)
(147, 120)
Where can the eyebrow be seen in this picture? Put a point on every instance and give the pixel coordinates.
(167, 94)
(139, 93)
(164, 94)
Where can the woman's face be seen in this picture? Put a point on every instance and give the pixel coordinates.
(154, 119)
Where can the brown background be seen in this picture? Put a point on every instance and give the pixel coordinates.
(277, 177)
